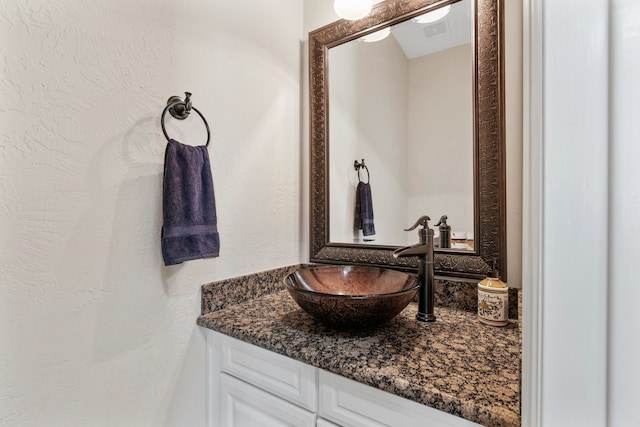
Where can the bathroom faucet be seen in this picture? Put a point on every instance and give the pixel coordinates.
(424, 251)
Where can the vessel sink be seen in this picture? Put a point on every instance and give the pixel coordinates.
(351, 296)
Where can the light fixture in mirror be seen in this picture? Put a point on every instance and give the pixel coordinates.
(377, 36)
(433, 16)
(352, 9)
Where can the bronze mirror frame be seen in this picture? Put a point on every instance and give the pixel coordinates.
(489, 144)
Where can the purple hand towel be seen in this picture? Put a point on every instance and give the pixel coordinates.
(364, 210)
(189, 229)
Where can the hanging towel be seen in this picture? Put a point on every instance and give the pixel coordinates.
(364, 210)
(189, 229)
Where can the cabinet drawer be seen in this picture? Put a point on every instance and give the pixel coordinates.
(277, 374)
(349, 403)
(243, 405)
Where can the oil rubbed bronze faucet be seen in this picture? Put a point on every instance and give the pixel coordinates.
(424, 251)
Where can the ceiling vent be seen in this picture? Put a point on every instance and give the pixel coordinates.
(436, 29)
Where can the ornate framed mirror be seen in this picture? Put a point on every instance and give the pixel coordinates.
(484, 143)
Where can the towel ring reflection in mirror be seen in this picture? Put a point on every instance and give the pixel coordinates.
(180, 110)
(359, 165)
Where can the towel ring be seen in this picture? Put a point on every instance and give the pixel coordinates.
(359, 165)
(180, 110)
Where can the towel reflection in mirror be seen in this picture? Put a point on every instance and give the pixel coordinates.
(363, 217)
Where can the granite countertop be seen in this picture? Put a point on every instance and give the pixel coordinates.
(456, 365)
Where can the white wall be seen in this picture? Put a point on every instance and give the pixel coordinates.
(94, 330)
(580, 346)
(368, 120)
(440, 157)
(575, 199)
(624, 205)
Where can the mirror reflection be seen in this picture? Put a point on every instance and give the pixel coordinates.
(401, 99)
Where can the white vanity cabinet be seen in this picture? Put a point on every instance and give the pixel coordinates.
(249, 386)
(349, 403)
(242, 404)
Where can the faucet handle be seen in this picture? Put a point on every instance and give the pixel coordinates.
(423, 221)
(443, 220)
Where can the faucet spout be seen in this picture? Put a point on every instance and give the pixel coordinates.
(413, 250)
(424, 251)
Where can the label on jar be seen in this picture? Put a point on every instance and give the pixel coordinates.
(493, 305)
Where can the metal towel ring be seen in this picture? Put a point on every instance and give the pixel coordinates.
(359, 165)
(180, 110)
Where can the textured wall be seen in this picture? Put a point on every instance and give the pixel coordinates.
(94, 330)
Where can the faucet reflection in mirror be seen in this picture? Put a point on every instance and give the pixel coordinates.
(444, 232)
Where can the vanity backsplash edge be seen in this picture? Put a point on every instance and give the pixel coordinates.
(236, 290)
(463, 295)
(218, 295)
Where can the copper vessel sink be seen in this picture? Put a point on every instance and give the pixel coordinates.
(351, 296)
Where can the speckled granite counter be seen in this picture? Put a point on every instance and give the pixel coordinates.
(456, 364)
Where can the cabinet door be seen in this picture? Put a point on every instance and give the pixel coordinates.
(243, 405)
(287, 378)
(347, 402)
